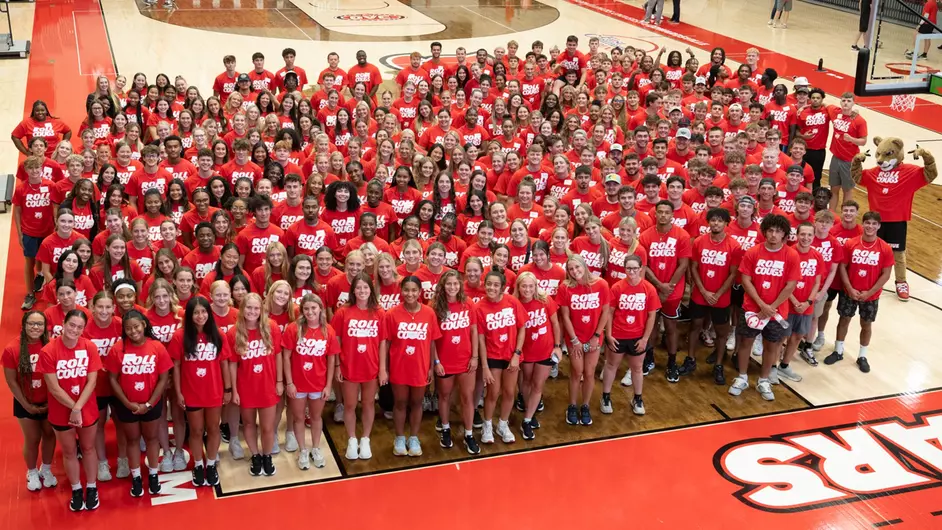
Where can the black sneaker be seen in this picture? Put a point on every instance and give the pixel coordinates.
(527, 430)
(572, 415)
(718, 376)
(38, 283)
(255, 469)
(268, 466)
(534, 423)
(472, 445)
(648, 367)
(137, 486)
(153, 484)
(212, 476)
(539, 408)
(711, 359)
(91, 498)
(518, 403)
(734, 360)
(689, 367)
(198, 476)
(672, 373)
(863, 364)
(77, 503)
(28, 302)
(438, 424)
(585, 417)
(224, 432)
(833, 358)
(477, 422)
(445, 440)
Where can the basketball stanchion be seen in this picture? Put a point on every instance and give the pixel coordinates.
(8, 46)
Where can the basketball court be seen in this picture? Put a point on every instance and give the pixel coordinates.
(840, 449)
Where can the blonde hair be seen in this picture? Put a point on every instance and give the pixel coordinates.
(290, 308)
(588, 278)
(381, 257)
(242, 332)
(603, 245)
(219, 284)
(275, 245)
(537, 295)
(161, 283)
(302, 322)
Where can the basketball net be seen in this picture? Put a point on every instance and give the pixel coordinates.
(903, 102)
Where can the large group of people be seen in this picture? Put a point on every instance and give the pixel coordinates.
(444, 238)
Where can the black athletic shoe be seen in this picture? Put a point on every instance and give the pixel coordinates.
(585, 417)
(539, 408)
(672, 373)
(38, 283)
(212, 476)
(28, 301)
(91, 498)
(863, 364)
(689, 367)
(833, 358)
(268, 466)
(445, 440)
(518, 403)
(77, 503)
(527, 430)
(648, 367)
(438, 424)
(255, 469)
(471, 445)
(711, 359)
(199, 476)
(534, 423)
(572, 415)
(477, 422)
(153, 484)
(137, 486)
(718, 377)
(224, 432)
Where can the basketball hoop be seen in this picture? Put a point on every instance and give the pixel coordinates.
(903, 102)
(903, 69)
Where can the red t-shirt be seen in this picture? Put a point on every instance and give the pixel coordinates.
(664, 253)
(360, 331)
(633, 305)
(139, 367)
(592, 253)
(865, 263)
(499, 322)
(104, 338)
(53, 246)
(36, 219)
(71, 367)
(548, 281)
(164, 326)
(201, 381)
(309, 356)
(856, 127)
(141, 181)
(307, 239)
(410, 335)
(587, 304)
(253, 243)
(811, 265)
(256, 374)
(539, 340)
(35, 388)
(746, 237)
(50, 129)
(890, 193)
(345, 225)
(202, 264)
(715, 262)
(55, 319)
(454, 345)
(814, 122)
(769, 272)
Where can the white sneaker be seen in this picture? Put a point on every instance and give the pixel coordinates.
(304, 462)
(757, 348)
(104, 471)
(606, 408)
(365, 452)
(773, 376)
(626, 381)
(353, 451)
(338, 413)
(235, 449)
(506, 435)
(291, 442)
(179, 460)
(426, 404)
(818, 343)
(275, 448)
(739, 384)
(554, 371)
(317, 457)
(388, 415)
(487, 433)
(637, 407)
(332, 397)
(730, 342)
(166, 463)
(415, 447)
(49, 480)
(123, 470)
(32, 480)
(764, 388)
(789, 373)
(399, 446)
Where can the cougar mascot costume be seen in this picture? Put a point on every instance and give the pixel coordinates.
(890, 189)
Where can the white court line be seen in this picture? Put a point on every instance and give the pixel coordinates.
(485, 17)
(78, 53)
(295, 25)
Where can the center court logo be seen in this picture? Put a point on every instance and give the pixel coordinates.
(813, 469)
(370, 17)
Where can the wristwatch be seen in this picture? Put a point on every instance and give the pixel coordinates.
(517, 352)
(437, 362)
(147, 404)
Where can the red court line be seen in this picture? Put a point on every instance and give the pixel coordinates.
(834, 83)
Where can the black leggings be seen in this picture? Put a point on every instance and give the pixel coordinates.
(815, 159)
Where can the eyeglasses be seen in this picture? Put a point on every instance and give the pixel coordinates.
(632, 269)
(35, 324)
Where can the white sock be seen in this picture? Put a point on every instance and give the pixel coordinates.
(198, 463)
(46, 467)
(77, 486)
(91, 485)
(526, 420)
(136, 472)
(468, 432)
(863, 353)
(446, 426)
(152, 470)
(210, 462)
(502, 423)
(839, 346)
(820, 335)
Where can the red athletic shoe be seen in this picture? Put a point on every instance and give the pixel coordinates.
(902, 291)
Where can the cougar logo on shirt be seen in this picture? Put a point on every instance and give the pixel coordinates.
(260, 244)
(713, 257)
(72, 368)
(75, 390)
(139, 386)
(315, 347)
(412, 331)
(307, 367)
(200, 372)
(410, 350)
(363, 329)
(770, 267)
(165, 333)
(632, 302)
(257, 368)
(663, 249)
(581, 302)
(865, 257)
(807, 470)
(133, 364)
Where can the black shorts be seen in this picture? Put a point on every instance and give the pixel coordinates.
(627, 347)
(926, 29)
(772, 332)
(192, 409)
(124, 415)
(497, 364)
(847, 308)
(545, 362)
(832, 294)
(737, 295)
(894, 233)
(63, 428)
(104, 401)
(718, 315)
(864, 16)
(21, 413)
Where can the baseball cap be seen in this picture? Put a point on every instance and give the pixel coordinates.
(802, 88)
(684, 122)
(672, 109)
(243, 78)
(795, 168)
(683, 132)
(700, 81)
(616, 147)
(747, 199)
(802, 81)
(612, 177)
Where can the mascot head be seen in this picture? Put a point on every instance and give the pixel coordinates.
(890, 152)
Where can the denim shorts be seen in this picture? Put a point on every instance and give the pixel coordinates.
(309, 395)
